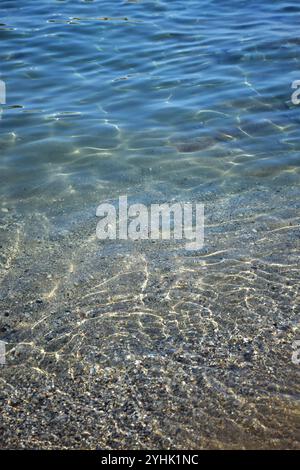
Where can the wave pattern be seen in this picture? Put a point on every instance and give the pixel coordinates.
(142, 344)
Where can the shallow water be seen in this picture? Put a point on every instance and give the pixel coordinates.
(141, 344)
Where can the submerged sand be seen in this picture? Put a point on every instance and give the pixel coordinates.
(139, 345)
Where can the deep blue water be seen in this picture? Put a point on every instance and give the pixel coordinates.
(106, 92)
(160, 100)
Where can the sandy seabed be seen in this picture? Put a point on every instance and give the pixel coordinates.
(143, 345)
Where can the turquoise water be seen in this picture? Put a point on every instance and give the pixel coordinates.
(121, 345)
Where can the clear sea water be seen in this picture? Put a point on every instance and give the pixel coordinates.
(142, 345)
